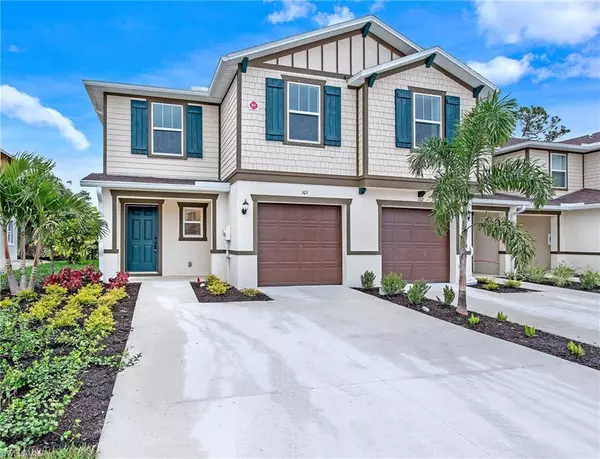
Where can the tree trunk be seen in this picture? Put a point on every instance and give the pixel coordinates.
(10, 274)
(23, 282)
(34, 268)
(52, 260)
(461, 306)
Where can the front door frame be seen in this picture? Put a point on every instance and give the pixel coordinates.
(158, 203)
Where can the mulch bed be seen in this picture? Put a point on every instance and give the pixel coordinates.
(503, 289)
(509, 331)
(573, 286)
(90, 404)
(232, 294)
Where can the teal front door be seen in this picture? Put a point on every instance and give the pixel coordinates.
(142, 239)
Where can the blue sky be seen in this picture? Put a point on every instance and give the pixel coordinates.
(543, 53)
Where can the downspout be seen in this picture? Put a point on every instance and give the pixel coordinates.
(100, 238)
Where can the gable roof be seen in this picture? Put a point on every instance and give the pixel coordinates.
(510, 147)
(442, 58)
(594, 137)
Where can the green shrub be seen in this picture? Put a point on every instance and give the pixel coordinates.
(501, 317)
(100, 322)
(491, 286)
(512, 275)
(417, 291)
(535, 274)
(449, 295)
(250, 292)
(217, 288)
(367, 280)
(211, 279)
(483, 280)
(473, 320)
(57, 290)
(576, 350)
(392, 284)
(117, 294)
(44, 307)
(68, 315)
(529, 331)
(7, 303)
(590, 279)
(26, 295)
(512, 284)
(562, 274)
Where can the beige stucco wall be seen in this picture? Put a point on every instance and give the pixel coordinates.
(229, 131)
(592, 170)
(120, 160)
(580, 232)
(384, 158)
(259, 153)
(539, 228)
(485, 249)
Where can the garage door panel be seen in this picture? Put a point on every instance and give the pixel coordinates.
(299, 244)
(411, 247)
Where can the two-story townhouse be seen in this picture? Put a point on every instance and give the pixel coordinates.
(11, 228)
(291, 168)
(567, 230)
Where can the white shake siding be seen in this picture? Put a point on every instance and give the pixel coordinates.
(384, 158)
(261, 154)
(229, 131)
(120, 160)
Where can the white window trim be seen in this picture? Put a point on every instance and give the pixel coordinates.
(415, 120)
(302, 112)
(10, 235)
(552, 169)
(200, 222)
(176, 155)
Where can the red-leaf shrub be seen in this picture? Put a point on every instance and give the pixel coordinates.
(120, 280)
(74, 279)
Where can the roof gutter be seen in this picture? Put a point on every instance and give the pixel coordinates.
(199, 187)
(501, 203)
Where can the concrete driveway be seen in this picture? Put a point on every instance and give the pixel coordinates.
(570, 313)
(331, 372)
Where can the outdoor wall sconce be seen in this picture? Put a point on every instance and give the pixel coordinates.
(245, 206)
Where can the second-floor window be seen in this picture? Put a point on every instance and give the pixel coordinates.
(167, 129)
(304, 113)
(558, 169)
(427, 117)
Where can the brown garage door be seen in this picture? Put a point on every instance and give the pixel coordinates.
(411, 247)
(299, 244)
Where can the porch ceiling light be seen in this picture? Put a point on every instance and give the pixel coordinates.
(245, 206)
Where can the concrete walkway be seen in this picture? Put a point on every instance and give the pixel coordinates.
(331, 372)
(570, 313)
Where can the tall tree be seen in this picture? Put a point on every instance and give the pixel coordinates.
(536, 124)
(464, 169)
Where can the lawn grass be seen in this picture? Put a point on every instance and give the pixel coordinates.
(44, 270)
(70, 452)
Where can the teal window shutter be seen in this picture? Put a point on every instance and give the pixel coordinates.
(139, 127)
(274, 109)
(452, 109)
(193, 135)
(404, 119)
(333, 116)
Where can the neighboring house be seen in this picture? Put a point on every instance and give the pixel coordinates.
(292, 168)
(567, 230)
(11, 229)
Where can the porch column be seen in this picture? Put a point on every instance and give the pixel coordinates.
(469, 270)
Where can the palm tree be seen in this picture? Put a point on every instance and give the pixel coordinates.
(463, 170)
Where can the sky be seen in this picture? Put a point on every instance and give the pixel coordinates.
(542, 53)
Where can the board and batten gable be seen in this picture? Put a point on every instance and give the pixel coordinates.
(261, 154)
(591, 170)
(229, 130)
(120, 160)
(384, 158)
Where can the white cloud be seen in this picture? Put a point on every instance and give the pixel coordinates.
(14, 49)
(559, 22)
(503, 70)
(340, 14)
(377, 6)
(575, 65)
(292, 10)
(17, 104)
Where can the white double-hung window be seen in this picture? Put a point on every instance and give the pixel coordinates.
(304, 113)
(167, 129)
(558, 169)
(427, 117)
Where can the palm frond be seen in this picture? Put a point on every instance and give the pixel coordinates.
(433, 155)
(450, 196)
(517, 240)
